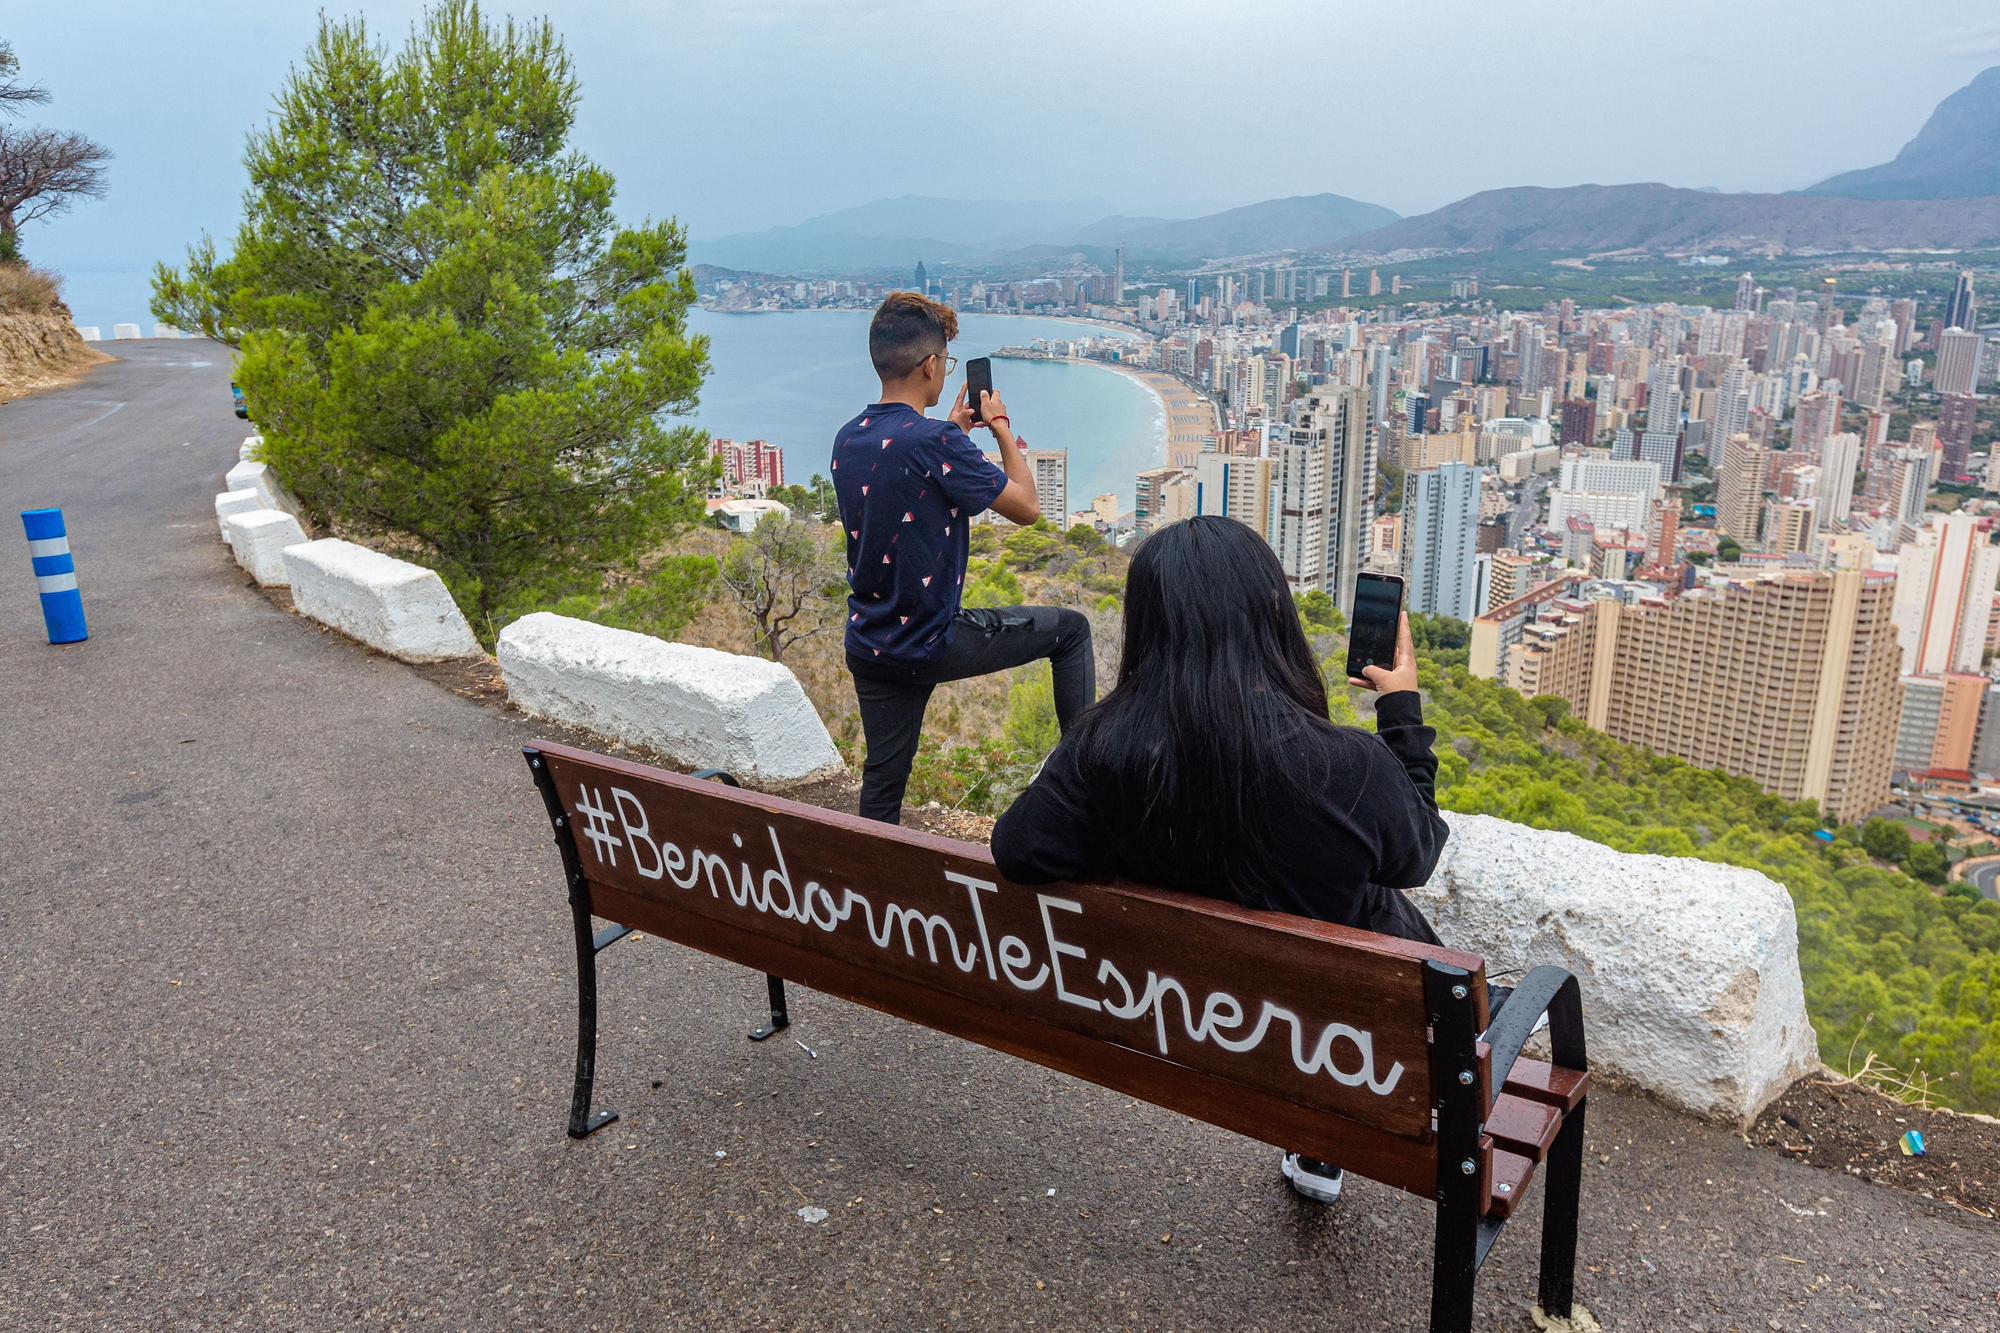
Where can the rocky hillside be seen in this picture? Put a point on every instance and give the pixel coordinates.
(1592, 218)
(39, 344)
(1956, 154)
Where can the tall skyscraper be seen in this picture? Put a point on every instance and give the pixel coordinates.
(1745, 289)
(1732, 400)
(1945, 581)
(1838, 460)
(921, 283)
(1441, 540)
(1118, 279)
(1960, 308)
(1957, 414)
(1817, 418)
(1796, 689)
(1739, 489)
(1663, 396)
(1910, 479)
(1875, 382)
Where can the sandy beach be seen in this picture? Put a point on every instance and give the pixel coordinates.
(1189, 416)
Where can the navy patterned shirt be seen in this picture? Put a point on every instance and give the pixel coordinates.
(908, 486)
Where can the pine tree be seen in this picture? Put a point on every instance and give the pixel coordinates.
(447, 340)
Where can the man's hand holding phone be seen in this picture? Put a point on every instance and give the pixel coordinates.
(1402, 676)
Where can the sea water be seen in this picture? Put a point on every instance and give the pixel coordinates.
(795, 377)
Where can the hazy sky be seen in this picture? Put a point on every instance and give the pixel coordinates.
(740, 114)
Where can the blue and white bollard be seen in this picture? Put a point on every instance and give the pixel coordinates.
(55, 573)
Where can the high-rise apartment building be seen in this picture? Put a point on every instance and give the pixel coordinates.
(1787, 679)
(1904, 312)
(1958, 361)
(1945, 579)
(1818, 417)
(1118, 279)
(1235, 486)
(751, 463)
(1876, 381)
(1838, 460)
(1579, 422)
(1957, 415)
(1050, 469)
(1739, 488)
(1440, 540)
(1910, 477)
(1731, 412)
(1941, 717)
(1162, 495)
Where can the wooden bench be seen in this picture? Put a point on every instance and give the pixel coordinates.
(1371, 1053)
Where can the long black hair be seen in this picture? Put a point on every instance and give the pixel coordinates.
(1218, 694)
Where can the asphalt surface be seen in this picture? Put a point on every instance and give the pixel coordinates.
(1985, 879)
(287, 1023)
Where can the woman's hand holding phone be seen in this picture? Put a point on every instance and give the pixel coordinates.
(1402, 676)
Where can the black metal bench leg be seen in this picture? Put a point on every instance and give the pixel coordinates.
(780, 1020)
(1562, 1189)
(1455, 1258)
(581, 1122)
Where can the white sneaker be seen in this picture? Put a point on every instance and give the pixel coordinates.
(1312, 1180)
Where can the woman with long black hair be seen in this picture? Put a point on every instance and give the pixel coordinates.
(1212, 767)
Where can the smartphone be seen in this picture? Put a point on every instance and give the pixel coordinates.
(1371, 632)
(978, 379)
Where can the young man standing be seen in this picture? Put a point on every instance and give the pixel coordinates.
(908, 487)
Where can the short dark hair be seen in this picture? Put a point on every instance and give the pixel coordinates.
(906, 329)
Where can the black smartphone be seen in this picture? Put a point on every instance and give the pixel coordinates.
(1371, 632)
(978, 379)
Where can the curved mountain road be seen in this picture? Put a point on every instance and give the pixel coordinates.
(287, 998)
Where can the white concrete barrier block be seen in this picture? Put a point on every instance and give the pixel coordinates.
(258, 538)
(90, 333)
(247, 451)
(699, 707)
(166, 331)
(391, 605)
(252, 475)
(1689, 970)
(234, 502)
(125, 331)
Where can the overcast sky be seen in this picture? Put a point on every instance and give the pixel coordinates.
(736, 115)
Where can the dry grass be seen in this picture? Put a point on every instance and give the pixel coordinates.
(23, 287)
(962, 712)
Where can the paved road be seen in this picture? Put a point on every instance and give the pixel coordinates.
(1986, 878)
(287, 988)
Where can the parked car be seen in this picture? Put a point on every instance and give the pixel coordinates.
(242, 408)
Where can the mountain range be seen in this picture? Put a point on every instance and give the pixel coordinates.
(1955, 155)
(896, 233)
(1941, 192)
(1595, 218)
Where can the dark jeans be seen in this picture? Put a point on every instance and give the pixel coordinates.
(983, 640)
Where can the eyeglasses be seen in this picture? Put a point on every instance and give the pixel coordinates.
(950, 362)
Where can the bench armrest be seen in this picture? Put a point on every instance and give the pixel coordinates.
(1548, 990)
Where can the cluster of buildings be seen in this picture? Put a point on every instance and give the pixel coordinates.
(1698, 526)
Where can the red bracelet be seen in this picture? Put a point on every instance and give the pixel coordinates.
(1002, 417)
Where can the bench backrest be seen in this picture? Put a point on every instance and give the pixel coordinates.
(1299, 1033)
